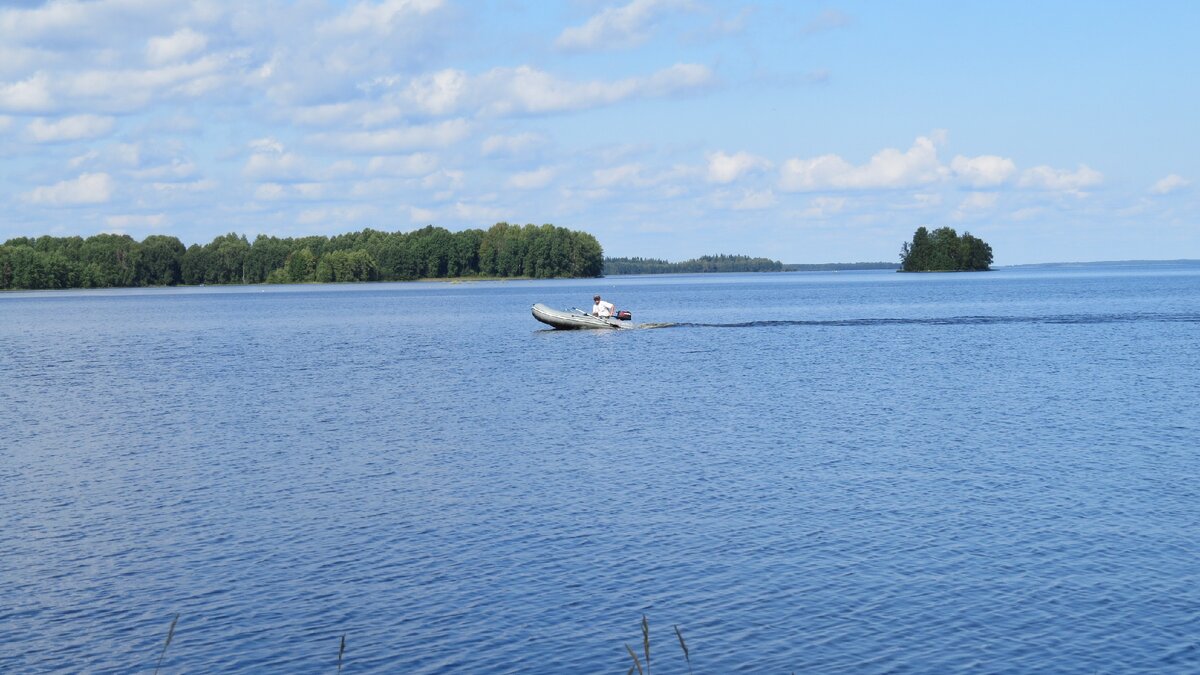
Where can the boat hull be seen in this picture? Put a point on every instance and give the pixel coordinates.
(572, 321)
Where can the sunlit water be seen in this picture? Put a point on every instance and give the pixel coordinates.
(821, 472)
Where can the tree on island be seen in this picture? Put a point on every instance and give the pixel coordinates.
(112, 260)
(705, 263)
(943, 250)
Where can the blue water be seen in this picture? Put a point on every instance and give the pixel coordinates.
(815, 472)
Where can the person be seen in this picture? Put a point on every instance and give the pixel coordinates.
(602, 308)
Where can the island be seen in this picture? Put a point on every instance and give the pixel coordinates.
(943, 250)
(117, 260)
(703, 264)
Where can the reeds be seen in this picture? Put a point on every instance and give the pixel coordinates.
(341, 650)
(170, 636)
(637, 664)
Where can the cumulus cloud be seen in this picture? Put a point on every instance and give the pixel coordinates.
(889, 168)
(410, 166)
(976, 202)
(73, 128)
(399, 139)
(1048, 178)
(180, 44)
(532, 180)
(527, 90)
(725, 168)
(88, 188)
(29, 95)
(511, 145)
(984, 170)
(622, 26)
(823, 207)
(753, 200)
(1169, 184)
(381, 18)
(271, 162)
(628, 175)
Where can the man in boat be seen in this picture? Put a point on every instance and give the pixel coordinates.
(602, 308)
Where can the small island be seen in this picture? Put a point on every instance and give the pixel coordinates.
(943, 250)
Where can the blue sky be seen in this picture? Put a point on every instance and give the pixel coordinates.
(804, 132)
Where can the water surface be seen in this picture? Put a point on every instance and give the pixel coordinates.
(825, 472)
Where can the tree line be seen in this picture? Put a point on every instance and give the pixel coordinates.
(943, 250)
(706, 263)
(115, 260)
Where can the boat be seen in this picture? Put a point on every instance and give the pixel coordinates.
(575, 319)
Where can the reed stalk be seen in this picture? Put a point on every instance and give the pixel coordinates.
(170, 636)
(683, 646)
(341, 650)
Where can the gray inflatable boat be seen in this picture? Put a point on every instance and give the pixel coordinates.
(574, 320)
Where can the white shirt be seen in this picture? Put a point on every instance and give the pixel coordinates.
(603, 308)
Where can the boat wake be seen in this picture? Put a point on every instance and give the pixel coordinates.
(1054, 319)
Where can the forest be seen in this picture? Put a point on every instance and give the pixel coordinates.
(943, 250)
(117, 260)
(706, 263)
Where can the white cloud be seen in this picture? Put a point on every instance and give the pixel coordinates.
(136, 221)
(443, 179)
(478, 213)
(628, 175)
(1169, 184)
(266, 144)
(6, 123)
(180, 44)
(753, 200)
(380, 18)
(88, 188)
(176, 169)
(889, 168)
(438, 93)
(1048, 178)
(622, 26)
(513, 145)
(527, 90)
(532, 180)
(201, 185)
(397, 139)
(724, 168)
(28, 95)
(974, 203)
(823, 207)
(274, 165)
(416, 164)
(73, 128)
(984, 170)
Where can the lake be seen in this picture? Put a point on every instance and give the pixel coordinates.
(858, 472)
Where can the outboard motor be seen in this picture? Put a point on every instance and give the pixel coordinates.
(623, 315)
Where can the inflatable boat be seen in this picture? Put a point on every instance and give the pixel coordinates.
(577, 319)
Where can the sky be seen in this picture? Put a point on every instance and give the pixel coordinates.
(804, 132)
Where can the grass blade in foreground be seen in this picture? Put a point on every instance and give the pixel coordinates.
(683, 646)
(170, 635)
(633, 655)
(646, 642)
(341, 650)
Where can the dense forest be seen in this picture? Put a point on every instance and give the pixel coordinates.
(707, 263)
(112, 260)
(943, 250)
(839, 267)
